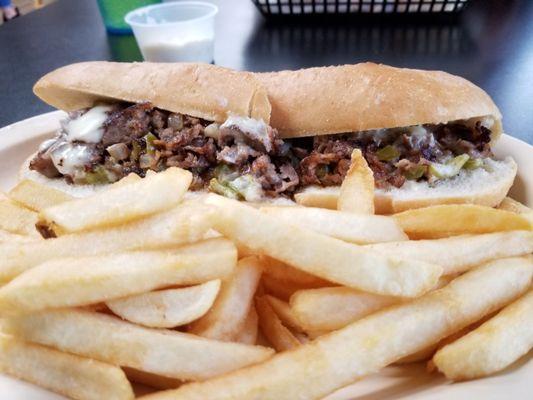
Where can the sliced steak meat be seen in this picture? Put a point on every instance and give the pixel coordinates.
(328, 163)
(290, 178)
(188, 133)
(315, 167)
(238, 154)
(461, 139)
(385, 174)
(44, 165)
(341, 147)
(129, 123)
(158, 120)
(188, 160)
(274, 180)
(265, 172)
(204, 147)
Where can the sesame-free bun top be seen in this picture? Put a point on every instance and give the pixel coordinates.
(200, 90)
(350, 98)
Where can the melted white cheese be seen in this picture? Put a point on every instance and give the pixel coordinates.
(88, 128)
(245, 124)
(418, 130)
(69, 158)
(47, 144)
(420, 135)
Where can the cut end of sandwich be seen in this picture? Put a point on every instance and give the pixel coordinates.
(60, 184)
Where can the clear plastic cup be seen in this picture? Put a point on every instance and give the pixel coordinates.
(177, 31)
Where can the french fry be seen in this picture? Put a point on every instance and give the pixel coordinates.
(509, 204)
(357, 189)
(320, 255)
(120, 204)
(248, 332)
(185, 224)
(350, 227)
(37, 196)
(285, 273)
(284, 313)
(312, 335)
(303, 338)
(227, 316)
(153, 380)
(427, 353)
(458, 219)
(17, 219)
(71, 282)
(444, 280)
(278, 335)
(281, 289)
(6, 236)
(332, 308)
(459, 254)
(162, 352)
(512, 205)
(316, 369)
(245, 252)
(70, 375)
(419, 356)
(317, 196)
(167, 308)
(130, 178)
(327, 197)
(493, 346)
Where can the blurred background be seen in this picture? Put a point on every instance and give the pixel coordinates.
(487, 41)
(27, 6)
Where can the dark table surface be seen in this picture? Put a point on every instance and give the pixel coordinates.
(490, 43)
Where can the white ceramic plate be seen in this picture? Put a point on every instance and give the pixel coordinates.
(20, 140)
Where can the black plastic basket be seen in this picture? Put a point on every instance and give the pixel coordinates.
(345, 7)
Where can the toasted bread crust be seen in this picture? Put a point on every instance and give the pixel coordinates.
(201, 90)
(349, 98)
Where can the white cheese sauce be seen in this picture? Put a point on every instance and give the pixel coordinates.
(419, 135)
(47, 144)
(245, 124)
(69, 158)
(72, 151)
(88, 127)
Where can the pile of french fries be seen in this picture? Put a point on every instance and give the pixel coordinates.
(209, 298)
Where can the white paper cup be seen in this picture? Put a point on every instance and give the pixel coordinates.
(177, 31)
